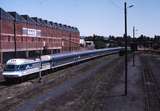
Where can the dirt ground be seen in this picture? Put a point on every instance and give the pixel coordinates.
(103, 92)
(97, 85)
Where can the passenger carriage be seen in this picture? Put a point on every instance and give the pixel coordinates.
(17, 68)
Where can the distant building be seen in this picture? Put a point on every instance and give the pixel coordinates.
(87, 44)
(90, 44)
(82, 42)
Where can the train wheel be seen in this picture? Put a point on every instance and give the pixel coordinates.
(20, 79)
(9, 80)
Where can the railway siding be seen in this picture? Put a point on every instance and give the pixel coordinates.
(151, 87)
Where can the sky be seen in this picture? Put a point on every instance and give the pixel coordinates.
(101, 17)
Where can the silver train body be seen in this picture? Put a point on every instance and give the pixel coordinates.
(17, 68)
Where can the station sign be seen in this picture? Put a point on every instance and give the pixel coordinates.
(31, 32)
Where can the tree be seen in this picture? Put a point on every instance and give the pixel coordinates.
(99, 42)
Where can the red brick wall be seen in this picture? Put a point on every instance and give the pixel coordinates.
(52, 37)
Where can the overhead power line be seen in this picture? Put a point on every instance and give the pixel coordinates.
(115, 4)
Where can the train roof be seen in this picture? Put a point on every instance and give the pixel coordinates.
(46, 57)
(82, 52)
(19, 61)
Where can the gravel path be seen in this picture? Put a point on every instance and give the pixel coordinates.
(89, 93)
(151, 79)
(103, 92)
(134, 101)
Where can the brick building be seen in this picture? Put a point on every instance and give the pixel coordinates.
(24, 36)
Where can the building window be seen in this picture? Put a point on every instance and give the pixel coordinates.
(8, 39)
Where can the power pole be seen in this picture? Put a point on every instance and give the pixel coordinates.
(133, 46)
(15, 44)
(1, 54)
(70, 49)
(40, 68)
(126, 59)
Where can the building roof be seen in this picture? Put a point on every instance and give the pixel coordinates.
(55, 24)
(37, 20)
(34, 20)
(47, 23)
(17, 17)
(28, 19)
(42, 21)
(5, 15)
(52, 24)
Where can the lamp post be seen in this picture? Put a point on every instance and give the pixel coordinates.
(125, 36)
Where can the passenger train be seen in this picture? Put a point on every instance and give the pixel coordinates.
(17, 68)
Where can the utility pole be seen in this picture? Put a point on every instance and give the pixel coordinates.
(126, 53)
(15, 44)
(1, 54)
(70, 49)
(133, 46)
(125, 35)
(40, 68)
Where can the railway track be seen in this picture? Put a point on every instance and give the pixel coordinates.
(95, 102)
(4, 84)
(151, 87)
(49, 79)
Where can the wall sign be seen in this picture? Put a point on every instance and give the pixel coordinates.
(31, 32)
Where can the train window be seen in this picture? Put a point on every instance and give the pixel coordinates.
(11, 68)
(36, 65)
(45, 62)
(22, 67)
(28, 66)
